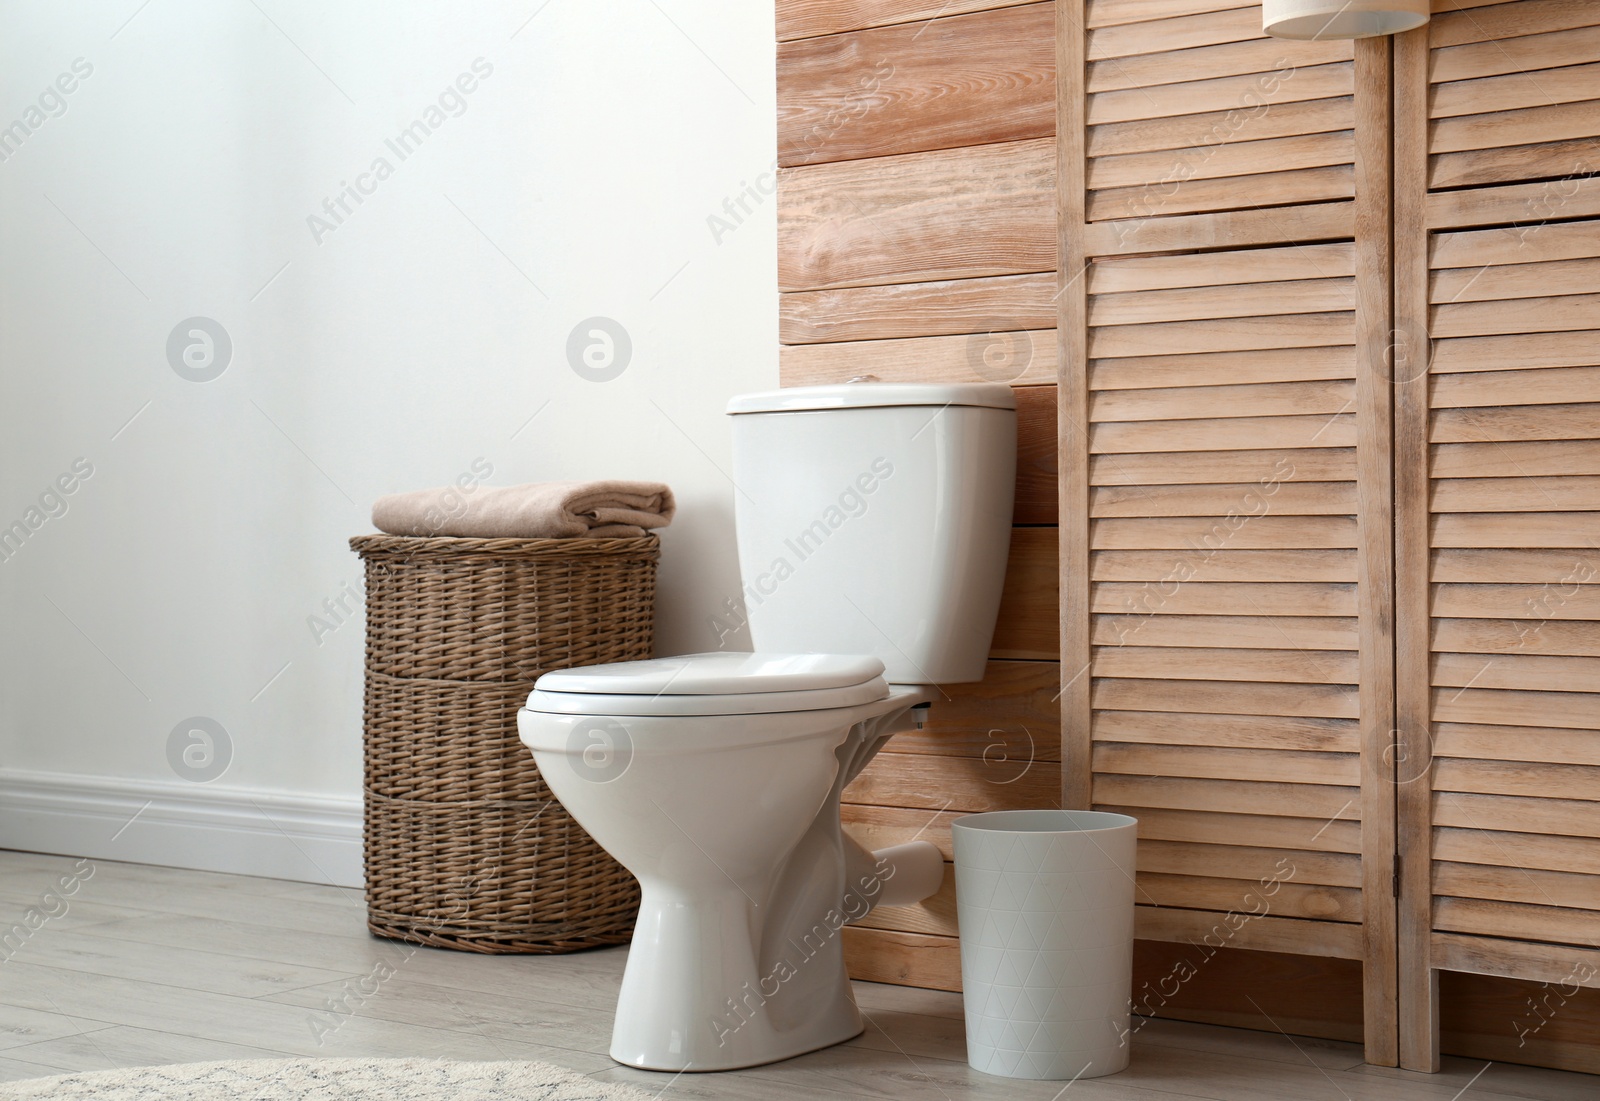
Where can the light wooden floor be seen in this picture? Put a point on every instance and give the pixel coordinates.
(151, 965)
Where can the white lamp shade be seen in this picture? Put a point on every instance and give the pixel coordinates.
(1324, 19)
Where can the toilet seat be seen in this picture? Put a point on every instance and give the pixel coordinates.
(713, 684)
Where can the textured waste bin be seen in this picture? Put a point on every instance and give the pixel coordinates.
(1045, 903)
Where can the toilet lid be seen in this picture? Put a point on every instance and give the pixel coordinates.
(713, 684)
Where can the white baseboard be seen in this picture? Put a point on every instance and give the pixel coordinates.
(183, 825)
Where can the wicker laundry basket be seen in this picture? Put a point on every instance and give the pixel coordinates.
(465, 846)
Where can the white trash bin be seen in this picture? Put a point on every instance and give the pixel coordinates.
(1044, 899)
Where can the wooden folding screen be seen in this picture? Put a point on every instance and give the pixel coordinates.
(916, 242)
(1225, 455)
(1498, 464)
(1328, 442)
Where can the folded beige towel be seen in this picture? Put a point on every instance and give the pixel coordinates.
(546, 510)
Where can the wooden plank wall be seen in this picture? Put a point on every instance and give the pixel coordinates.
(1498, 297)
(917, 242)
(1225, 561)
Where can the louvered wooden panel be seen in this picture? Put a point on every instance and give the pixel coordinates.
(1498, 537)
(1516, 697)
(1252, 713)
(1224, 544)
(1191, 110)
(1490, 124)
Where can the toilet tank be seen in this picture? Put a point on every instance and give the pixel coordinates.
(875, 518)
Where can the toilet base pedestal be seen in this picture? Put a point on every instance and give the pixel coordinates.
(693, 963)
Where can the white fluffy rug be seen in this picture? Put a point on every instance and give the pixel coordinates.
(325, 1080)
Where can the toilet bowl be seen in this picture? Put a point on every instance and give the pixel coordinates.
(873, 524)
(724, 803)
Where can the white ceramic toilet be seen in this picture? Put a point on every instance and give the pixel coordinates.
(873, 524)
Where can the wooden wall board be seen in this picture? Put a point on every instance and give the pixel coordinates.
(1112, 13)
(810, 18)
(878, 827)
(1038, 471)
(948, 214)
(929, 782)
(1024, 358)
(1029, 605)
(901, 958)
(933, 916)
(908, 134)
(960, 80)
(999, 304)
(1008, 719)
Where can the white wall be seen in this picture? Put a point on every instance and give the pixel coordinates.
(420, 334)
